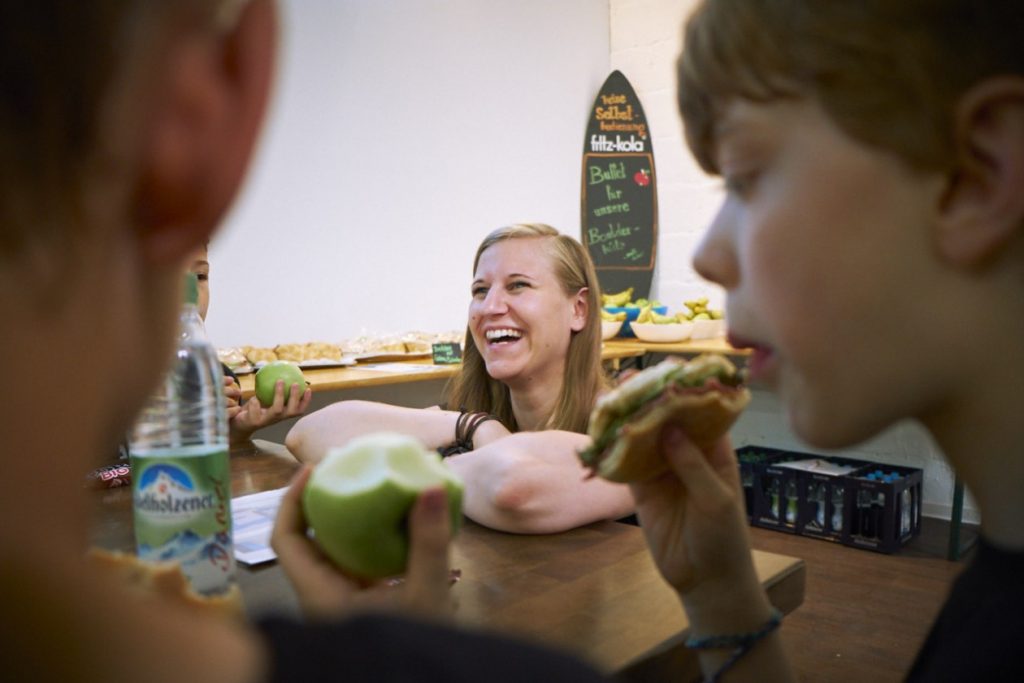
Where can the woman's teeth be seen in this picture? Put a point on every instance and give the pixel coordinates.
(499, 336)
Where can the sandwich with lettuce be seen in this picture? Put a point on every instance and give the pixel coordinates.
(703, 396)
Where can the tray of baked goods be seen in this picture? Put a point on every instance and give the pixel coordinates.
(389, 347)
(362, 349)
(246, 359)
(384, 348)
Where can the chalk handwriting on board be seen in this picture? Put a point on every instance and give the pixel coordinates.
(619, 217)
(618, 202)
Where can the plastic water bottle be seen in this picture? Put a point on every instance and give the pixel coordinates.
(181, 477)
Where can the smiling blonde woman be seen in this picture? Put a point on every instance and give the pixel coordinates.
(516, 414)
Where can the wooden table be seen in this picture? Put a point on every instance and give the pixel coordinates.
(378, 373)
(593, 591)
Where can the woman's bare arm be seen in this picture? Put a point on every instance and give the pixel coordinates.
(533, 483)
(313, 435)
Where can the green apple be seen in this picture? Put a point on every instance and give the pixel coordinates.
(359, 497)
(267, 376)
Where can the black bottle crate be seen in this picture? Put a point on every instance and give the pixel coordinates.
(821, 495)
(859, 503)
(883, 506)
(771, 490)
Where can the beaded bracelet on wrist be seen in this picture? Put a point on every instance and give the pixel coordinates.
(740, 643)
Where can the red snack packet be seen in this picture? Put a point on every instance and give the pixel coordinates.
(110, 476)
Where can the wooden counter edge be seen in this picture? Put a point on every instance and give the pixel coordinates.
(673, 661)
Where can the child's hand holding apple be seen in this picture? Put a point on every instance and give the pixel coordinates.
(379, 507)
(281, 393)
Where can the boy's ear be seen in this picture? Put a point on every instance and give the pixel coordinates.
(206, 111)
(983, 207)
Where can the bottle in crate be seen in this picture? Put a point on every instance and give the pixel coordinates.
(791, 501)
(877, 514)
(747, 480)
(819, 505)
(862, 520)
(181, 475)
(906, 503)
(775, 490)
(838, 506)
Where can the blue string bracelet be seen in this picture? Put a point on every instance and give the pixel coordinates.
(740, 643)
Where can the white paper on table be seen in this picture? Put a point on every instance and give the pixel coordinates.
(253, 518)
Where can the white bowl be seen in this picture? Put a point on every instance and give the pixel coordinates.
(610, 328)
(708, 329)
(669, 332)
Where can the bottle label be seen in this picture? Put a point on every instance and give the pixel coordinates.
(182, 506)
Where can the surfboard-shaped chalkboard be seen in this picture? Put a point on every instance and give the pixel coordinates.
(619, 221)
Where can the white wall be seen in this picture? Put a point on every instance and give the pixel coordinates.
(401, 133)
(646, 37)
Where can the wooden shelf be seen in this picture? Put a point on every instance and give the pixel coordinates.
(716, 345)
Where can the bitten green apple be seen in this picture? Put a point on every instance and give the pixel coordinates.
(267, 376)
(359, 497)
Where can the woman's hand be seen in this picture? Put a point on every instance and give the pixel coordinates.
(325, 592)
(693, 516)
(251, 416)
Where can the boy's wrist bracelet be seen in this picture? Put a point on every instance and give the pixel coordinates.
(740, 643)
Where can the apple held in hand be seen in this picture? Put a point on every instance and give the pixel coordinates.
(359, 497)
(267, 376)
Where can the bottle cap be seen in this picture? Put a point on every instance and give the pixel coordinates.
(191, 289)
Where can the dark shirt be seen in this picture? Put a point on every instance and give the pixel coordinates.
(377, 648)
(979, 634)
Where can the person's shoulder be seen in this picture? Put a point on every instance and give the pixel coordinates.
(365, 646)
(981, 625)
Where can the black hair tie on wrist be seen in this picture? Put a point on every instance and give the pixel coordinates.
(465, 427)
(474, 423)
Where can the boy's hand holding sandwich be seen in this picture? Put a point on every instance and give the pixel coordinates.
(703, 397)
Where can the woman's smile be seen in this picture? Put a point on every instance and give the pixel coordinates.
(520, 316)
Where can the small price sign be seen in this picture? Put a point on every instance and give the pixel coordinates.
(447, 353)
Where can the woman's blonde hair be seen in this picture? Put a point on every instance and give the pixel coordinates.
(475, 390)
(888, 72)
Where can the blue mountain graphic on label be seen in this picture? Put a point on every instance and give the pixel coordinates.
(163, 476)
(180, 545)
(168, 493)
